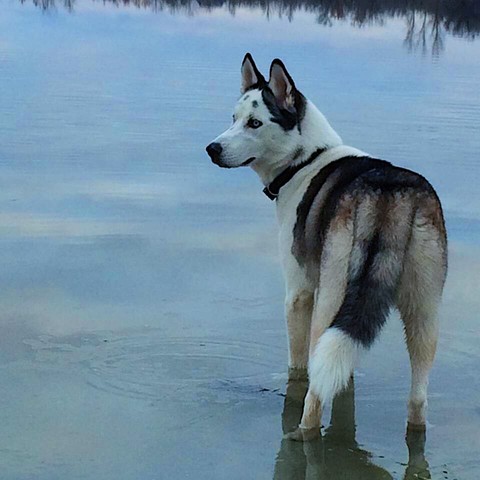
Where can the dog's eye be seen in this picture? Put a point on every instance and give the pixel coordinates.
(254, 123)
(233, 118)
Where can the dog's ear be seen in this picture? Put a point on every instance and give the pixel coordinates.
(250, 74)
(282, 85)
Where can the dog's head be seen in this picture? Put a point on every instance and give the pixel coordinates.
(267, 119)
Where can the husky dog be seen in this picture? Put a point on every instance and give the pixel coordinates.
(358, 236)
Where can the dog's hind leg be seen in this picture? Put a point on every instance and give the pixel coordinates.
(419, 294)
(322, 353)
(421, 331)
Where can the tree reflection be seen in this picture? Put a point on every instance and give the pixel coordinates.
(427, 21)
(337, 454)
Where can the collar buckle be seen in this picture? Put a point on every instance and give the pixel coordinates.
(269, 194)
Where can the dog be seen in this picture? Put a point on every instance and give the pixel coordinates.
(358, 237)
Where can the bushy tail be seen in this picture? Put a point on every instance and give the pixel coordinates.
(374, 273)
(332, 363)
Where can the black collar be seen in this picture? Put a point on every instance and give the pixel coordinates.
(273, 188)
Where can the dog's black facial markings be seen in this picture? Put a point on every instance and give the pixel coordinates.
(287, 119)
(300, 107)
(254, 104)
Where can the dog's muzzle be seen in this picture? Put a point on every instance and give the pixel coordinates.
(214, 150)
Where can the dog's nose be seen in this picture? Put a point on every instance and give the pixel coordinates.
(214, 150)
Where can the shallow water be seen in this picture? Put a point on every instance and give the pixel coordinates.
(141, 329)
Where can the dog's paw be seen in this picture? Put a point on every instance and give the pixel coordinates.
(303, 434)
(297, 374)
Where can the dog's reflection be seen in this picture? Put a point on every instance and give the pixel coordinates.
(337, 455)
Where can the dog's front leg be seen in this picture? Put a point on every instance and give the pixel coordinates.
(298, 306)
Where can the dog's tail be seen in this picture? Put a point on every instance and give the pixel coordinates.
(375, 268)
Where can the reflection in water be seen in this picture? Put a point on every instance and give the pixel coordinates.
(337, 454)
(426, 20)
(417, 29)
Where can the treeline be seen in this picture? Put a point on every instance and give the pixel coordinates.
(458, 17)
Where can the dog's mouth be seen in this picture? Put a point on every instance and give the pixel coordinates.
(248, 162)
(217, 161)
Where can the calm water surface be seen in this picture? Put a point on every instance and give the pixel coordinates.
(141, 328)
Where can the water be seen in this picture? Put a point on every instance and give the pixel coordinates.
(142, 332)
